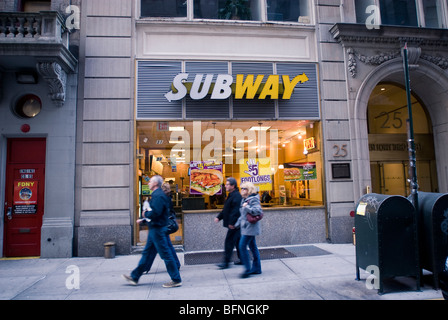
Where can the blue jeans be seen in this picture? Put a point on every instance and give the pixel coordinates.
(151, 253)
(157, 243)
(244, 254)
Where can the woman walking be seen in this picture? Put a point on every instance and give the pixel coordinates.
(250, 204)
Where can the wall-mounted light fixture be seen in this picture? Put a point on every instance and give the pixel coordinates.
(28, 106)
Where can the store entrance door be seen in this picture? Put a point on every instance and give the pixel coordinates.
(387, 115)
(392, 177)
(24, 197)
(389, 178)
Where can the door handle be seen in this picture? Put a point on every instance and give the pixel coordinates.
(9, 213)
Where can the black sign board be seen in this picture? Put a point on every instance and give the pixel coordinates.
(340, 170)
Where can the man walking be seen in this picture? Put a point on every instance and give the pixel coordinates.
(230, 214)
(157, 223)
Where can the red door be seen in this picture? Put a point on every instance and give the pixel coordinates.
(24, 198)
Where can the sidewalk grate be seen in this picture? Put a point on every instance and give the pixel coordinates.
(265, 254)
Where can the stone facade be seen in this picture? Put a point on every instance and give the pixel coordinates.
(90, 120)
(105, 129)
(46, 53)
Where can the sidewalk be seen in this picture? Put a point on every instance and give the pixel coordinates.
(323, 277)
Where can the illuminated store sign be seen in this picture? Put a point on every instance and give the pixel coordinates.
(309, 143)
(245, 87)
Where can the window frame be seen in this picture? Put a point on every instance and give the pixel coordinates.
(421, 22)
(263, 16)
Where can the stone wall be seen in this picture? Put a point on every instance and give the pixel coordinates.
(104, 180)
(280, 227)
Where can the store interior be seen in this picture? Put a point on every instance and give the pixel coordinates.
(285, 155)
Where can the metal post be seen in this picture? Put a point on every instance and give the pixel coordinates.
(411, 139)
(412, 158)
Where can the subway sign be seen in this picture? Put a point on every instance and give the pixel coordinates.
(249, 86)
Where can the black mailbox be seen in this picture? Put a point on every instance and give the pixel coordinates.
(433, 228)
(386, 237)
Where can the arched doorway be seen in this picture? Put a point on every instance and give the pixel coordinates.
(387, 115)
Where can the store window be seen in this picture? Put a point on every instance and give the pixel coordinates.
(282, 158)
(177, 138)
(164, 8)
(288, 10)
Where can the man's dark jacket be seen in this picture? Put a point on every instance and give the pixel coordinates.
(160, 205)
(231, 211)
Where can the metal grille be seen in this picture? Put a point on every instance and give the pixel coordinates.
(206, 108)
(304, 103)
(253, 109)
(154, 81)
(265, 254)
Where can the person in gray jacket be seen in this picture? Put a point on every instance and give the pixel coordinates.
(250, 204)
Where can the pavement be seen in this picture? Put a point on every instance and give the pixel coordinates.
(323, 277)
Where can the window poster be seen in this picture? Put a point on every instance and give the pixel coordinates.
(257, 171)
(206, 178)
(295, 171)
(25, 197)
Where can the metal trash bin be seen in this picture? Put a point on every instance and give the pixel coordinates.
(386, 237)
(109, 250)
(433, 228)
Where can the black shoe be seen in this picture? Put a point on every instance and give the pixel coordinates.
(223, 266)
(238, 263)
(245, 275)
(255, 272)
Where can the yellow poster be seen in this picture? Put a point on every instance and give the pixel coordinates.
(257, 171)
(361, 210)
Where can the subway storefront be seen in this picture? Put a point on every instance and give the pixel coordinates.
(199, 122)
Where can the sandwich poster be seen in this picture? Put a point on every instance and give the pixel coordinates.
(300, 171)
(206, 178)
(257, 171)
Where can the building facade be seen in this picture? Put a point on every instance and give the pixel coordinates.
(304, 98)
(39, 80)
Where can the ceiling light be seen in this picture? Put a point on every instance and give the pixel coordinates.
(259, 128)
(177, 129)
(177, 142)
(244, 141)
(178, 150)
